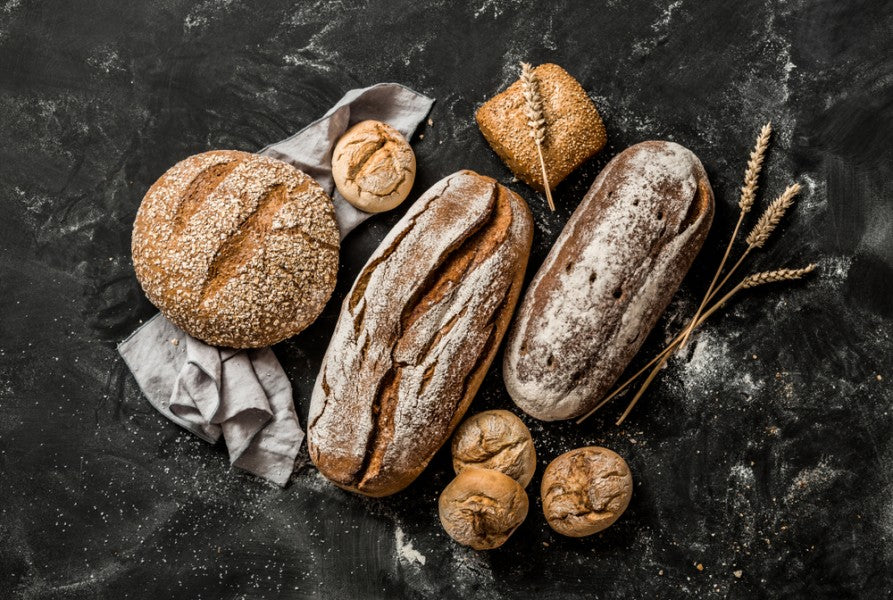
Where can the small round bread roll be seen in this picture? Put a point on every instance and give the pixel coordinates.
(482, 508)
(373, 166)
(236, 249)
(585, 490)
(498, 440)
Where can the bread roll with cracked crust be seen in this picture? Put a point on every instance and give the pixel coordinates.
(497, 440)
(373, 166)
(607, 279)
(481, 508)
(585, 491)
(236, 249)
(417, 333)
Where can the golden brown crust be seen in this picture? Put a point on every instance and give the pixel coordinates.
(497, 440)
(373, 166)
(607, 279)
(417, 333)
(236, 249)
(482, 508)
(574, 129)
(585, 491)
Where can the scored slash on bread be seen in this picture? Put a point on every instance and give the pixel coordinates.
(417, 333)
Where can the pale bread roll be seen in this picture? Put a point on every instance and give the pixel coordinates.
(373, 166)
(497, 440)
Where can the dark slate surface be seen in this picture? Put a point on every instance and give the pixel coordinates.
(762, 454)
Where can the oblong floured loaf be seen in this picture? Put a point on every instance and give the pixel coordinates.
(417, 333)
(607, 279)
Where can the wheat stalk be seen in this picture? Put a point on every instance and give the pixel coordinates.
(748, 282)
(758, 236)
(745, 203)
(536, 121)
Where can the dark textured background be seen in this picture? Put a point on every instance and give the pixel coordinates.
(763, 453)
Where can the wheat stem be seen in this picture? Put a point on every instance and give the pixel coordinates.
(748, 282)
(664, 353)
(536, 120)
(745, 202)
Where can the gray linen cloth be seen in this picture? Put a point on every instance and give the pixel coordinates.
(244, 395)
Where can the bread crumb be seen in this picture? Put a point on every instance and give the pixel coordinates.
(754, 356)
(661, 572)
(175, 342)
(738, 573)
(430, 122)
(421, 136)
(699, 567)
(879, 377)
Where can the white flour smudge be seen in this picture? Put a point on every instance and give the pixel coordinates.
(405, 551)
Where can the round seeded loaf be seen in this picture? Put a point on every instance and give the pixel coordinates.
(236, 249)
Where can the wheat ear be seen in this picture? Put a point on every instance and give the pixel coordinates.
(536, 121)
(769, 220)
(745, 203)
(748, 282)
(777, 275)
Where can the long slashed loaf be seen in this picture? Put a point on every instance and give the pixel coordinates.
(417, 333)
(607, 279)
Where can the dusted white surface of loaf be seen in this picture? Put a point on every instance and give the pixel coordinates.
(448, 334)
(558, 358)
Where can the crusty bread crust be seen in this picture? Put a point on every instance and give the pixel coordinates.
(236, 249)
(574, 129)
(607, 279)
(417, 333)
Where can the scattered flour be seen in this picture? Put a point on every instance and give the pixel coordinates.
(496, 6)
(405, 551)
(742, 474)
(666, 16)
(813, 479)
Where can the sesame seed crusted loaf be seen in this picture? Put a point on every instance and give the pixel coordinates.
(574, 129)
(607, 279)
(417, 333)
(236, 249)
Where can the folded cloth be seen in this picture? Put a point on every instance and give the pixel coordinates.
(311, 148)
(244, 395)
